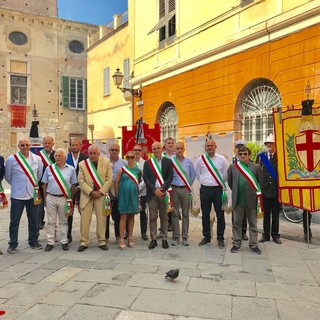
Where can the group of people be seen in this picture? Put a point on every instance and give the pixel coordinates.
(58, 181)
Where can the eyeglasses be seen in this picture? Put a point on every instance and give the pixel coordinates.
(137, 149)
(243, 153)
(24, 145)
(114, 149)
(130, 157)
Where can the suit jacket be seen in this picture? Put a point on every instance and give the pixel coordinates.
(233, 179)
(269, 186)
(82, 156)
(1, 168)
(150, 179)
(86, 183)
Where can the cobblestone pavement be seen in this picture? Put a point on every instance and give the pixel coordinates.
(282, 283)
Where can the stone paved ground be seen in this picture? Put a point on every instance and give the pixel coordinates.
(282, 283)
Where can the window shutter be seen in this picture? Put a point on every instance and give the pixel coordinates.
(162, 8)
(126, 73)
(172, 5)
(85, 95)
(106, 81)
(65, 91)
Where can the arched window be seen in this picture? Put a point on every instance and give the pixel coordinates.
(256, 110)
(168, 122)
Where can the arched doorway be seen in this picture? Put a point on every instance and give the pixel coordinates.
(255, 109)
(168, 119)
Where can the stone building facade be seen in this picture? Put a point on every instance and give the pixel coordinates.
(42, 73)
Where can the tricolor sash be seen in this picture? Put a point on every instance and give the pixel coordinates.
(131, 174)
(216, 176)
(158, 174)
(25, 166)
(181, 172)
(62, 183)
(3, 198)
(93, 174)
(250, 177)
(45, 158)
(97, 181)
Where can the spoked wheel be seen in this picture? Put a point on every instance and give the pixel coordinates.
(292, 214)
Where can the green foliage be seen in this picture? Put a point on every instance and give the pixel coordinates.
(294, 163)
(255, 148)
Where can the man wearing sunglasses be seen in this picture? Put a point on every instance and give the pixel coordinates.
(23, 172)
(244, 180)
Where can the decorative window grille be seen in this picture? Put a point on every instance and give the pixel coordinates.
(256, 112)
(169, 123)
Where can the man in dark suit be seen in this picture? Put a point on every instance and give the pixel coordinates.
(74, 157)
(47, 157)
(271, 205)
(158, 175)
(245, 179)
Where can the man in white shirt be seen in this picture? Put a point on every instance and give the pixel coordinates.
(211, 171)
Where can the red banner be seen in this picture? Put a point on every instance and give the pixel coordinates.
(18, 116)
(147, 137)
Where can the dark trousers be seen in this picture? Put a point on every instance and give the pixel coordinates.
(116, 219)
(271, 208)
(244, 223)
(143, 216)
(75, 200)
(209, 196)
(305, 222)
(16, 210)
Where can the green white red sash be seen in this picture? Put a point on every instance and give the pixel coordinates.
(131, 174)
(181, 172)
(250, 177)
(3, 198)
(62, 183)
(158, 174)
(25, 166)
(45, 158)
(216, 176)
(93, 174)
(97, 181)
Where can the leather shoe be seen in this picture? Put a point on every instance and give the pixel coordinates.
(144, 236)
(263, 239)
(153, 244)
(104, 247)
(82, 248)
(277, 240)
(165, 244)
(49, 247)
(65, 246)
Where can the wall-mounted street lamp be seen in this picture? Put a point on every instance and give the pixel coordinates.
(117, 79)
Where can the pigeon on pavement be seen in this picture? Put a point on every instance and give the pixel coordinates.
(172, 274)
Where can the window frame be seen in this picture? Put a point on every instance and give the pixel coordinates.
(106, 81)
(66, 90)
(19, 87)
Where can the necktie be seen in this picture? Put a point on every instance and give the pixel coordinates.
(270, 156)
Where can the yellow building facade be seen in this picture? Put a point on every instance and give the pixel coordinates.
(222, 66)
(108, 107)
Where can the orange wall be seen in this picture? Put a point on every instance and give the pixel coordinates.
(205, 98)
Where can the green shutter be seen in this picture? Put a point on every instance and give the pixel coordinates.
(65, 91)
(85, 94)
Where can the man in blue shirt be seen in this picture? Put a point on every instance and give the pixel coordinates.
(23, 171)
(183, 177)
